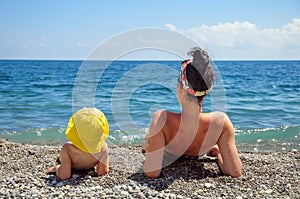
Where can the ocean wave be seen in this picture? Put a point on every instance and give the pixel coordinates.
(247, 139)
(268, 139)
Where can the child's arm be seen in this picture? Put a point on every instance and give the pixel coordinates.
(103, 163)
(63, 171)
(52, 169)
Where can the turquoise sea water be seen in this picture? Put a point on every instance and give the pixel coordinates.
(262, 98)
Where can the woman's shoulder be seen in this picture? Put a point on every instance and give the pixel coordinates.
(216, 114)
(164, 118)
(217, 117)
(164, 114)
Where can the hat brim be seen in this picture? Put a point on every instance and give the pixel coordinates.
(83, 144)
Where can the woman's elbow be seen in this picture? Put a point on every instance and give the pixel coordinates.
(152, 174)
(237, 173)
(234, 173)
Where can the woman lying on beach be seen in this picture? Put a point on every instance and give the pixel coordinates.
(192, 132)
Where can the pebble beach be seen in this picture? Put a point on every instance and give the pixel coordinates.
(265, 175)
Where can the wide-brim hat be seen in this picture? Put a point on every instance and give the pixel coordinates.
(88, 130)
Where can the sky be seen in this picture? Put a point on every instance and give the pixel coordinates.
(72, 29)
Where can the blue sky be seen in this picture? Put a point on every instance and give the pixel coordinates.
(257, 29)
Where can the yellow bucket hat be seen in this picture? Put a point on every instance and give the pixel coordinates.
(88, 130)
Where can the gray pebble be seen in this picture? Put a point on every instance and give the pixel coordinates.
(7, 195)
(125, 193)
(59, 184)
(268, 191)
(154, 193)
(75, 176)
(116, 189)
(172, 196)
(11, 181)
(31, 152)
(264, 175)
(207, 185)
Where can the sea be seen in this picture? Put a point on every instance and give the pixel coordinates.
(262, 99)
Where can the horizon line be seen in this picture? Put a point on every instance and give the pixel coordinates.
(51, 59)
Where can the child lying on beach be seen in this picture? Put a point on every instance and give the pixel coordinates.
(87, 132)
(191, 132)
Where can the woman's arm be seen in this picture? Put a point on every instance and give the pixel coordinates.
(155, 149)
(228, 158)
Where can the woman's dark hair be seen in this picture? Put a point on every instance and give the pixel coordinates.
(199, 73)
